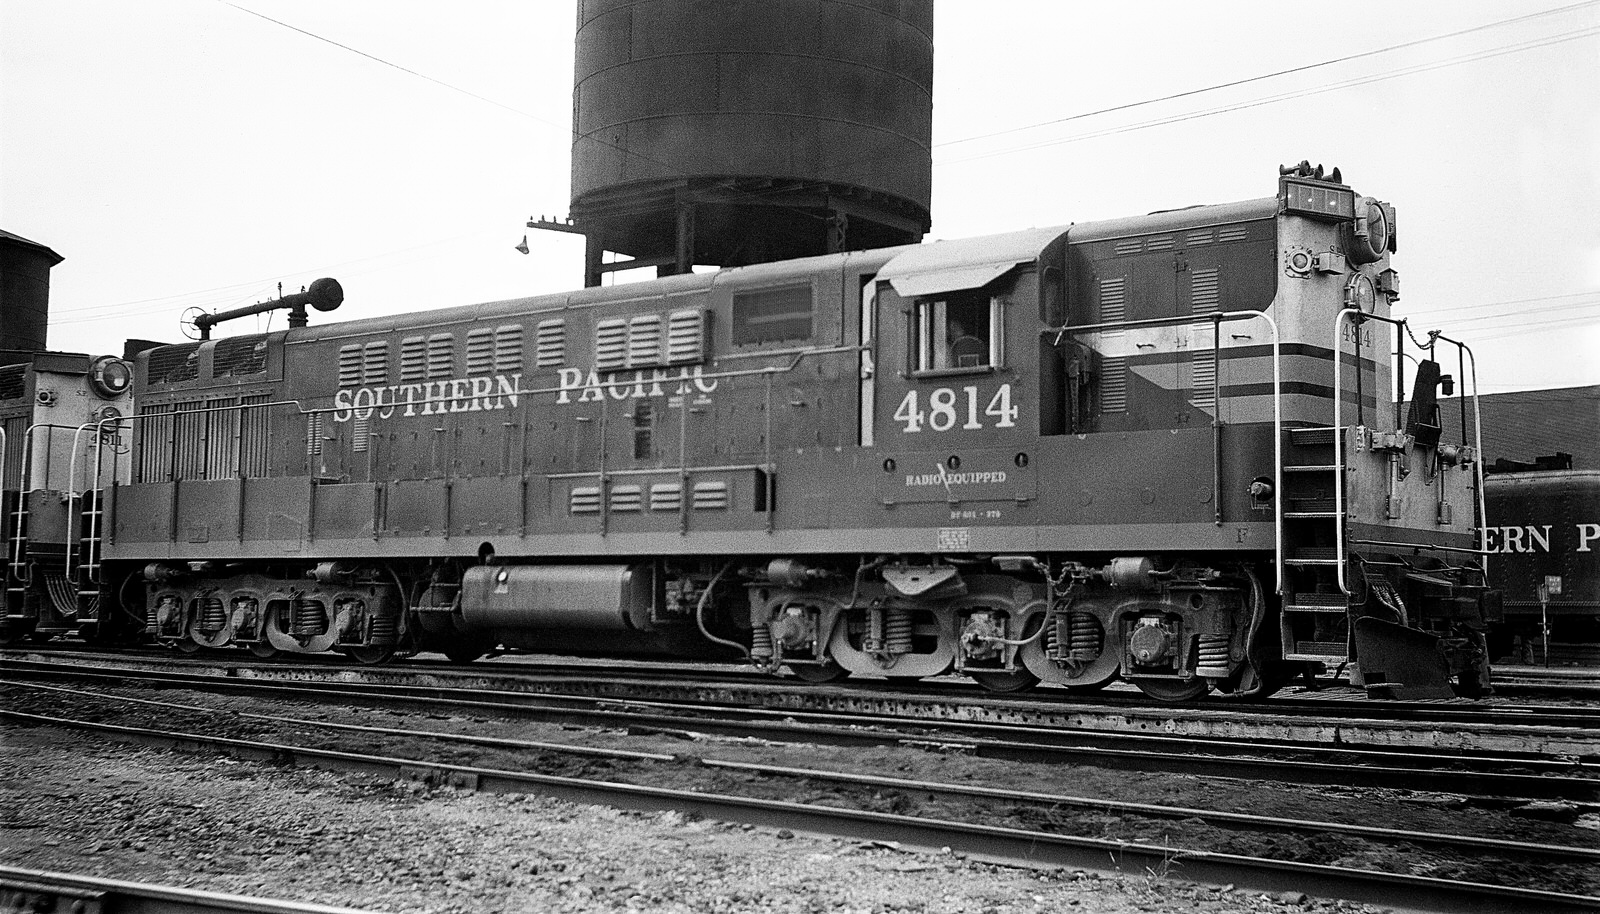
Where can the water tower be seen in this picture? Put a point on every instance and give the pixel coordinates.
(731, 132)
(24, 292)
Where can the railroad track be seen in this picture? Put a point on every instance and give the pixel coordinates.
(1331, 701)
(40, 891)
(1311, 758)
(996, 823)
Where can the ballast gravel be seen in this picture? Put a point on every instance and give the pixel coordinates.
(75, 803)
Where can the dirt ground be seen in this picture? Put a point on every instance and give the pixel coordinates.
(81, 804)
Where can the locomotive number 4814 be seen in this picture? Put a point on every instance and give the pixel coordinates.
(948, 406)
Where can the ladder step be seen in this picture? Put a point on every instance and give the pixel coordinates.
(1324, 434)
(1311, 468)
(1300, 515)
(1312, 562)
(1314, 608)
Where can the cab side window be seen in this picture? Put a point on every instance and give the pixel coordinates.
(957, 331)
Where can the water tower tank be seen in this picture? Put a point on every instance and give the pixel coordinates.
(24, 292)
(730, 132)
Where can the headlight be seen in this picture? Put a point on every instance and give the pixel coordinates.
(110, 376)
(1372, 234)
(1360, 293)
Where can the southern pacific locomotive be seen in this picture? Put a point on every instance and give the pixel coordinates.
(1070, 454)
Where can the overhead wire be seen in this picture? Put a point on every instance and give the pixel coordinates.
(1349, 83)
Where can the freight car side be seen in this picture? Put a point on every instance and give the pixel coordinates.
(1544, 532)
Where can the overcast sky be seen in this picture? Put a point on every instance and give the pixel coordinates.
(191, 153)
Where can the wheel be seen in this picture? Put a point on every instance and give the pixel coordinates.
(827, 671)
(263, 650)
(187, 646)
(1172, 689)
(1014, 681)
(372, 656)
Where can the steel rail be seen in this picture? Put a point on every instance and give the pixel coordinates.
(998, 741)
(1520, 727)
(1009, 795)
(626, 674)
(24, 889)
(1030, 847)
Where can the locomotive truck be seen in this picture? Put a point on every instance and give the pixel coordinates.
(1171, 449)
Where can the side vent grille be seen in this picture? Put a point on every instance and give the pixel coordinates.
(666, 496)
(584, 500)
(441, 356)
(1113, 371)
(644, 341)
(551, 344)
(13, 381)
(508, 349)
(1233, 233)
(350, 365)
(686, 337)
(1205, 296)
(240, 355)
(175, 364)
(711, 495)
(480, 352)
(413, 359)
(627, 499)
(611, 344)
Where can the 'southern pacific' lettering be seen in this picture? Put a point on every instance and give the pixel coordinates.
(457, 395)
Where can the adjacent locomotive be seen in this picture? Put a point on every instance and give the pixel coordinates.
(60, 432)
(1161, 448)
(1544, 533)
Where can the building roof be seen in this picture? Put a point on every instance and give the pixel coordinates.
(10, 238)
(1526, 424)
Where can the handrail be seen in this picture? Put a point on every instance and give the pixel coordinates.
(1217, 318)
(1338, 417)
(766, 372)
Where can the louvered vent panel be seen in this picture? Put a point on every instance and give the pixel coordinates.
(413, 360)
(627, 499)
(1113, 300)
(480, 351)
(13, 381)
(375, 364)
(1129, 246)
(551, 344)
(1205, 290)
(255, 435)
(666, 496)
(584, 500)
(1201, 237)
(155, 443)
(611, 344)
(240, 355)
(313, 434)
(222, 439)
(1205, 295)
(1159, 243)
(686, 337)
(173, 364)
(711, 496)
(644, 341)
(441, 356)
(350, 365)
(508, 349)
(15, 428)
(1113, 371)
(1233, 233)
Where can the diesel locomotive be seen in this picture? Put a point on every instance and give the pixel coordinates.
(1171, 449)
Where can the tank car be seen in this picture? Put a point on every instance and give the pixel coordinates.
(60, 416)
(1165, 449)
(1544, 536)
